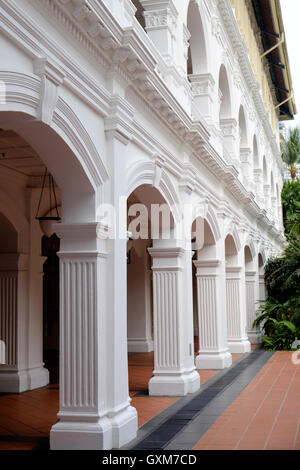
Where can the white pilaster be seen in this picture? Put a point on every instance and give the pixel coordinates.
(213, 351)
(18, 372)
(174, 369)
(246, 154)
(262, 287)
(251, 297)
(202, 86)
(229, 133)
(236, 315)
(124, 418)
(161, 26)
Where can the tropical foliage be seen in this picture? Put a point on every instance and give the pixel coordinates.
(291, 208)
(279, 314)
(290, 150)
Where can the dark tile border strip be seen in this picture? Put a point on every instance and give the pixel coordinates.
(196, 429)
(157, 420)
(178, 427)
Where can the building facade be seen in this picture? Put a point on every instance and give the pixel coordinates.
(171, 104)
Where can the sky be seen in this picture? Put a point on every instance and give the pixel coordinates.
(291, 15)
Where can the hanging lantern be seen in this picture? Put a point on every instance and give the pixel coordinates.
(53, 214)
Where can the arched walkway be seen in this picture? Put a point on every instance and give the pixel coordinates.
(235, 295)
(213, 352)
(152, 228)
(62, 143)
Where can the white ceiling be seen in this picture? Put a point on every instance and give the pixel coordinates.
(17, 155)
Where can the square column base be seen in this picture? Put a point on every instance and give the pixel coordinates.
(239, 346)
(214, 361)
(174, 385)
(140, 345)
(105, 434)
(15, 381)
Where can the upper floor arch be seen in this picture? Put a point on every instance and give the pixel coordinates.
(256, 162)
(224, 94)
(243, 128)
(197, 58)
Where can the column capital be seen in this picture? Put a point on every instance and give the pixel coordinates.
(251, 274)
(119, 120)
(166, 252)
(245, 154)
(209, 263)
(233, 269)
(202, 84)
(229, 127)
(81, 237)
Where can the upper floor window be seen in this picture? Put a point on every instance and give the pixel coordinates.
(197, 57)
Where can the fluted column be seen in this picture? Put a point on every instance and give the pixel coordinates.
(236, 315)
(8, 318)
(262, 287)
(251, 298)
(93, 413)
(174, 370)
(18, 372)
(213, 351)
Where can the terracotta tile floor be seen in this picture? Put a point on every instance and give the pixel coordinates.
(266, 415)
(26, 419)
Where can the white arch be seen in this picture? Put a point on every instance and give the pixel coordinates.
(250, 244)
(20, 112)
(207, 213)
(212, 220)
(242, 120)
(232, 231)
(256, 164)
(261, 251)
(225, 88)
(147, 172)
(198, 43)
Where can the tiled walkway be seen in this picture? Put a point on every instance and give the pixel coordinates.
(266, 415)
(255, 405)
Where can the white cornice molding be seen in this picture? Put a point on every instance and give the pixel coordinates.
(142, 62)
(238, 44)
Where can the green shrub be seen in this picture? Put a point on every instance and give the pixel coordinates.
(282, 275)
(280, 312)
(282, 335)
(290, 197)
